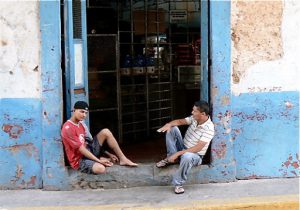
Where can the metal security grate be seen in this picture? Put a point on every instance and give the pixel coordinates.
(102, 52)
(77, 20)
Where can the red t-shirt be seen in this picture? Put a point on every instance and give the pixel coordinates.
(73, 136)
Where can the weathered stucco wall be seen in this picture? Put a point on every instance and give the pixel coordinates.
(265, 88)
(265, 46)
(20, 92)
(19, 49)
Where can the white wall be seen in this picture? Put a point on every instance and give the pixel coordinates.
(20, 47)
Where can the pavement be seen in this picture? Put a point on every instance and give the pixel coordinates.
(256, 194)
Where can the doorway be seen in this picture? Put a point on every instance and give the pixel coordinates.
(143, 69)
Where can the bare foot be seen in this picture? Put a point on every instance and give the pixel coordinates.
(104, 158)
(127, 162)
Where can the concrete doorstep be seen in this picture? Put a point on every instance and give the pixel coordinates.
(124, 177)
(256, 194)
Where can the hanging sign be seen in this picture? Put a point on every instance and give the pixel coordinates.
(178, 16)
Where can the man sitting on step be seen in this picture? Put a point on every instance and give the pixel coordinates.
(86, 153)
(190, 150)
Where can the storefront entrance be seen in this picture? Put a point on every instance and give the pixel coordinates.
(139, 64)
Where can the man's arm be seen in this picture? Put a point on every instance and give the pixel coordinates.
(197, 148)
(169, 125)
(86, 153)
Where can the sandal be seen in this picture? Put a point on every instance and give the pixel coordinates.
(162, 163)
(179, 189)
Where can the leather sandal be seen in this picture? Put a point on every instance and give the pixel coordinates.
(162, 163)
(179, 189)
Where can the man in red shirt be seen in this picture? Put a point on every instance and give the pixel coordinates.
(84, 152)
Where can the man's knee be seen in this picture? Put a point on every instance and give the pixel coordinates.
(98, 168)
(105, 132)
(187, 157)
(174, 129)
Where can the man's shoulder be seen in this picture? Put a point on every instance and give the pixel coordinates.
(67, 124)
(210, 123)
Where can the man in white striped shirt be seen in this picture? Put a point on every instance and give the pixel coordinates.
(190, 150)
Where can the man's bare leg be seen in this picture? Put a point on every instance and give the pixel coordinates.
(106, 135)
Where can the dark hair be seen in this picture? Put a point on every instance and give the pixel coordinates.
(202, 106)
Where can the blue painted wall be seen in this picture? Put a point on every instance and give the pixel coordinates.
(265, 130)
(31, 152)
(20, 143)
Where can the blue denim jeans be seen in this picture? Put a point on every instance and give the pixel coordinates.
(174, 143)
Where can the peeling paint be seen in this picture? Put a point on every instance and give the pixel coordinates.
(235, 133)
(288, 105)
(289, 162)
(220, 150)
(18, 176)
(264, 89)
(32, 181)
(255, 116)
(293, 172)
(214, 92)
(29, 148)
(23, 184)
(19, 172)
(225, 100)
(225, 121)
(295, 164)
(14, 131)
(256, 34)
(265, 46)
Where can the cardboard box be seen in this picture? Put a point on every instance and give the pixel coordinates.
(153, 17)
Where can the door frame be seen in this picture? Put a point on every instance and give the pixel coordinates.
(75, 71)
(55, 174)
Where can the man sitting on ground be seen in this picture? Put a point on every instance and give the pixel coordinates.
(86, 153)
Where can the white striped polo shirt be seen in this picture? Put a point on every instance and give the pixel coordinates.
(195, 133)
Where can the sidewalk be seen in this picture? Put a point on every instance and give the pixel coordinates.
(245, 194)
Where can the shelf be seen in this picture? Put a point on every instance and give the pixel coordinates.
(102, 72)
(103, 110)
(160, 118)
(132, 113)
(135, 122)
(140, 103)
(134, 131)
(161, 100)
(160, 109)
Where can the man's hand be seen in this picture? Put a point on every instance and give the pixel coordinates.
(105, 162)
(166, 127)
(113, 157)
(173, 158)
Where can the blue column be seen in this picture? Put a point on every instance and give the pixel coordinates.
(54, 171)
